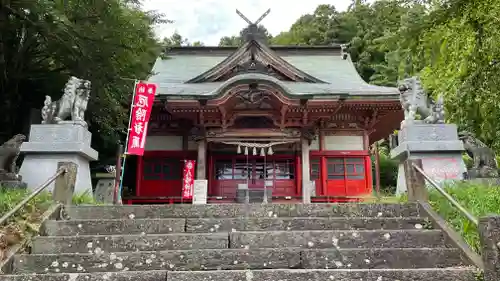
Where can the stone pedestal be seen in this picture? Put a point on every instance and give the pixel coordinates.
(489, 235)
(13, 184)
(49, 144)
(105, 188)
(437, 145)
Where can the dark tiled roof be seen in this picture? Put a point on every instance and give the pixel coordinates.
(325, 64)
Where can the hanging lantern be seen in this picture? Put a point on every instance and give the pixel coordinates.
(270, 151)
(254, 151)
(239, 150)
(246, 150)
(263, 151)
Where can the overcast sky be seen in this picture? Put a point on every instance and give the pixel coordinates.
(208, 20)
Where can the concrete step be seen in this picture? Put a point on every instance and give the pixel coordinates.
(159, 226)
(98, 226)
(238, 259)
(320, 275)
(339, 238)
(310, 223)
(125, 243)
(240, 240)
(447, 274)
(243, 210)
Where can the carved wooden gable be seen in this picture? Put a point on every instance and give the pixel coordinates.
(254, 57)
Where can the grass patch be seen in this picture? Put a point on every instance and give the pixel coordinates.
(27, 220)
(478, 199)
(85, 198)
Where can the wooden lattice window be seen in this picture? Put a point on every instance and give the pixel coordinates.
(351, 168)
(162, 169)
(315, 169)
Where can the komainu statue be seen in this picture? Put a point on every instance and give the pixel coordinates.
(484, 160)
(9, 152)
(72, 104)
(414, 100)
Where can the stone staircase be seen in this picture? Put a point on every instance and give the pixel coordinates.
(278, 242)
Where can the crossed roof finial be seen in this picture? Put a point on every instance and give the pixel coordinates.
(252, 32)
(257, 21)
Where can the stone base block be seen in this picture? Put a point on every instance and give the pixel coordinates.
(52, 143)
(485, 181)
(105, 191)
(254, 195)
(419, 131)
(13, 184)
(441, 167)
(37, 168)
(439, 148)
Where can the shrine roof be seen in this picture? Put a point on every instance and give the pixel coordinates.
(331, 70)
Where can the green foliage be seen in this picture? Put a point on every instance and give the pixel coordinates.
(452, 45)
(388, 170)
(176, 40)
(233, 41)
(43, 42)
(388, 174)
(27, 221)
(9, 198)
(32, 211)
(480, 200)
(85, 198)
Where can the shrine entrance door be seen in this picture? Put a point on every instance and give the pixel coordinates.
(277, 173)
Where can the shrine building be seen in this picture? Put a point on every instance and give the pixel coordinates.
(280, 118)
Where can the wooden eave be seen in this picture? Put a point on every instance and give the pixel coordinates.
(310, 105)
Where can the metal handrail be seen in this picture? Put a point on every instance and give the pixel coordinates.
(35, 192)
(466, 213)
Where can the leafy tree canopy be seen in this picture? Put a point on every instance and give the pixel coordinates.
(452, 45)
(43, 42)
(237, 40)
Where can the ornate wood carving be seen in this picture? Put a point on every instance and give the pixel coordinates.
(252, 99)
(309, 133)
(370, 121)
(197, 133)
(254, 133)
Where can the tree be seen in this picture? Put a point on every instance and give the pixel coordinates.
(111, 42)
(176, 40)
(233, 41)
(451, 45)
(197, 44)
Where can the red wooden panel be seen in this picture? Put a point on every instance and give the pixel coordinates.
(161, 177)
(346, 177)
(284, 188)
(225, 188)
(228, 172)
(155, 180)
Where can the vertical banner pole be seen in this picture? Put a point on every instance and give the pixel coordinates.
(118, 173)
(120, 188)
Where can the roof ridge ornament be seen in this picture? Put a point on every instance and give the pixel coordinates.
(252, 32)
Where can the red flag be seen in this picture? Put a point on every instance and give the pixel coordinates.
(141, 111)
(188, 179)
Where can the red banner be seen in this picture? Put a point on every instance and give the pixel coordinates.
(141, 111)
(188, 179)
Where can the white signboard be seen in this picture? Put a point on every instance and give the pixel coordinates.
(200, 189)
